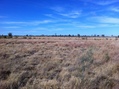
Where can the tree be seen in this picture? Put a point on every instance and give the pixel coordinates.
(27, 35)
(118, 36)
(69, 35)
(98, 35)
(78, 35)
(103, 35)
(10, 35)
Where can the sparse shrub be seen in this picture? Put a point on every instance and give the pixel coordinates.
(50, 84)
(116, 38)
(84, 38)
(24, 37)
(101, 82)
(34, 37)
(29, 37)
(4, 36)
(73, 83)
(4, 74)
(10, 83)
(16, 37)
(107, 57)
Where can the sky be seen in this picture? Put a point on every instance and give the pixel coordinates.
(49, 17)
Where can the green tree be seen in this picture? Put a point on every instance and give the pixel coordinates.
(103, 35)
(78, 35)
(10, 35)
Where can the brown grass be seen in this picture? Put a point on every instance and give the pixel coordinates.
(59, 63)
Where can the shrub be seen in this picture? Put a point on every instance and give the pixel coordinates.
(107, 57)
(24, 37)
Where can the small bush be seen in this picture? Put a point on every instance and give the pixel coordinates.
(107, 57)
(24, 37)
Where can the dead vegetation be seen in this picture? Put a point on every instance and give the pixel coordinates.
(59, 63)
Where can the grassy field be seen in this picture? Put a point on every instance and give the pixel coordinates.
(59, 63)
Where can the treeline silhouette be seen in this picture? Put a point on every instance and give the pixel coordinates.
(10, 35)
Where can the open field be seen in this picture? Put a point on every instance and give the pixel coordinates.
(59, 63)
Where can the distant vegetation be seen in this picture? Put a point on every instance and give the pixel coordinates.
(10, 35)
(6, 36)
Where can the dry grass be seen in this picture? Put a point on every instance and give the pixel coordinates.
(59, 63)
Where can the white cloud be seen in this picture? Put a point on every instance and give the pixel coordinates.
(98, 25)
(109, 20)
(58, 8)
(115, 9)
(66, 12)
(86, 26)
(104, 21)
(33, 23)
(103, 2)
(72, 14)
(106, 2)
(49, 15)
(11, 27)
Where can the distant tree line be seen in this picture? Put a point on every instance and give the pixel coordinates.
(10, 35)
(6, 36)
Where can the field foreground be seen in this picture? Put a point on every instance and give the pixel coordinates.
(59, 63)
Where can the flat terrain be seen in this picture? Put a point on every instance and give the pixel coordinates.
(59, 63)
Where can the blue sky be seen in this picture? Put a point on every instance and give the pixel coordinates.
(36, 17)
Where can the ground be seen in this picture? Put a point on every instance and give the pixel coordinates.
(59, 63)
